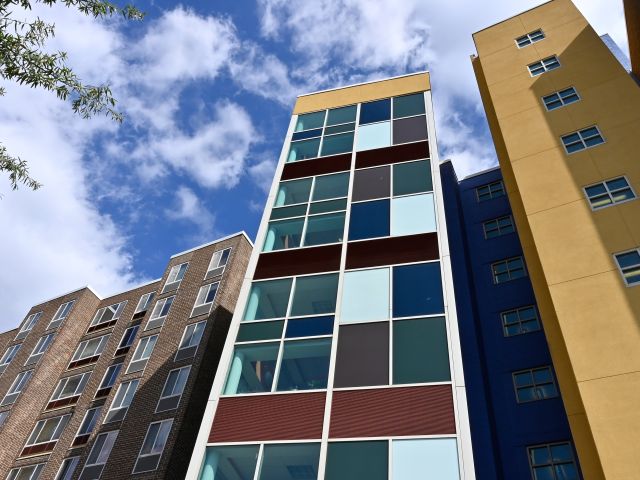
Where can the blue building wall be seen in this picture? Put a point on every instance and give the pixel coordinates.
(501, 428)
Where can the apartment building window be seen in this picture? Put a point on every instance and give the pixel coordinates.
(145, 302)
(127, 340)
(9, 355)
(490, 191)
(68, 468)
(498, 226)
(99, 455)
(159, 313)
(554, 461)
(89, 351)
(542, 66)
(609, 192)
(3, 417)
(176, 274)
(61, 314)
(629, 265)
(30, 472)
(585, 138)
(560, 98)
(40, 349)
(45, 435)
(519, 321)
(107, 316)
(529, 38)
(68, 388)
(507, 270)
(121, 401)
(173, 389)
(28, 325)
(108, 380)
(205, 299)
(142, 354)
(534, 384)
(16, 388)
(218, 263)
(89, 422)
(153, 446)
(190, 340)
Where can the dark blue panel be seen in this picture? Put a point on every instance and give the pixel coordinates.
(417, 290)
(306, 134)
(369, 220)
(308, 327)
(377, 111)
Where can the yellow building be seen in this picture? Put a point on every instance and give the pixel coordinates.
(565, 118)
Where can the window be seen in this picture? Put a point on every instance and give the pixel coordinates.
(61, 314)
(519, 321)
(89, 351)
(142, 354)
(370, 220)
(121, 401)
(173, 388)
(554, 461)
(108, 380)
(629, 265)
(560, 98)
(153, 445)
(498, 226)
(417, 290)
(529, 38)
(538, 68)
(176, 274)
(609, 192)
(127, 339)
(218, 262)
(16, 387)
(438, 456)
(190, 340)
(492, 190)
(376, 135)
(72, 386)
(68, 468)
(205, 298)
(160, 312)
(99, 455)
(48, 430)
(585, 138)
(412, 215)
(3, 417)
(39, 349)
(508, 270)
(30, 472)
(28, 325)
(145, 302)
(365, 296)
(350, 460)
(230, 462)
(89, 422)
(107, 316)
(534, 384)
(9, 355)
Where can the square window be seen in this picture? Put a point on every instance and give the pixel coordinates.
(412, 177)
(412, 215)
(363, 355)
(369, 220)
(376, 135)
(305, 365)
(324, 229)
(377, 111)
(330, 186)
(629, 264)
(365, 296)
(520, 321)
(268, 299)
(292, 192)
(534, 384)
(303, 149)
(357, 460)
(230, 462)
(309, 121)
(408, 105)
(411, 129)
(283, 234)
(334, 144)
(438, 456)
(417, 290)
(252, 368)
(553, 462)
(371, 183)
(342, 115)
(314, 295)
(290, 461)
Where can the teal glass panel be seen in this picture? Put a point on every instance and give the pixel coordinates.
(305, 365)
(223, 463)
(331, 186)
(315, 295)
(411, 215)
(408, 105)
(308, 121)
(323, 229)
(291, 461)
(249, 332)
(335, 144)
(376, 135)
(357, 461)
(328, 206)
(268, 299)
(287, 212)
(283, 234)
(365, 296)
(292, 192)
(303, 149)
(342, 115)
(412, 177)
(434, 458)
(252, 368)
(420, 352)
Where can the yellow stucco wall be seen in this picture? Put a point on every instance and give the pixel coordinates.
(365, 92)
(591, 319)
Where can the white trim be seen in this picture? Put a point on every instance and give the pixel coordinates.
(87, 287)
(421, 72)
(218, 240)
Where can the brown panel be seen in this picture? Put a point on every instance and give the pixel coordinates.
(297, 262)
(103, 392)
(392, 412)
(121, 351)
(63, 402)
(392, 250)
(363, 355)
(40, 448)
(255, 418)
(317, 166)
(80, 440)
(84, 361)
(399, 153)
(102, 326)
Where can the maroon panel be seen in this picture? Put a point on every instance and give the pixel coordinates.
(84, 361)
(392, 412)
(295, 416)
(398, 153)
(284, 263)
(392, 250)
(102, 326)
(316, 166)
(62, 402)
(36, 449)
(103, 392)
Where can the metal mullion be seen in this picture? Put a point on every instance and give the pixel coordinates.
(390, 320)
(256, 475)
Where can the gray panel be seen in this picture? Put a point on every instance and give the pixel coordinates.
(137, 366)
(168, 403)
(21, 335)
(201, 310)
(151, 324)
(91, 473)
(145, 464)
(372, 183)
(186, 353)
(34, 359)
(214, 273)
(3, 368)
(9, 399)
(115, 415)
(410, 129)
(55, 324)
(363, 355)
(170, 287)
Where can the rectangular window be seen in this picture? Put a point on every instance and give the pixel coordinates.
(534, 384)
(554, 461)
(61, 314)
(173, 388)
(585, 138)
(9, 355)
(142, 354)
(48, 430)
(498, 226)
(160, 312)
(39, 349)
(530, 38)
(218, 262)
(629, 265)
(28, 325)
(560, 98)
(121, 401)
(145, 302)
(16, 387)
(3, 417)
(107, 316)
(490, 191)
(176, 274)
(30, 472)
(153, 446)
(127, 340)
(538, 68)
(205, 299)
(507, 270)
(609, 192)
(190, 340)
(99, 455)
(72, 386)
(108, 380)
(89, 351)
(89, 422)
(68, 468)
(519, 321)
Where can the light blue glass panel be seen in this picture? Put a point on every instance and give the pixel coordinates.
(435, 459)
(411, 215)
(365, 296)
(376, 135)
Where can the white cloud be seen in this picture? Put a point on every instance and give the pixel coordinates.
(189, 208)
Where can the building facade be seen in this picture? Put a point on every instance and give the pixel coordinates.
(114, 388)
(565, 118)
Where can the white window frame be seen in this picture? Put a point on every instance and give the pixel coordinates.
(9, 354)
(155, 441)
(79, 353)
(61, 424)
(104, 377)
(62, 383)
(204, 292)
(29, 323)
(184, 335)
(67, 468)
(134, 383)
(175, 272)
(133, 337)
(171, 394)
(544, 64)
(157, 314)
(61, 314)
(35, 474)
(531, 38)
(610, 193)
(41, 347)
(20, 382)
(115, 309)
(615, 259)
(3, 417)
(144, 302)
(113, 434)
(214, 263)
(84, 420)
(146, 341)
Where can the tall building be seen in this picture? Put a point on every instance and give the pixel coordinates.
(565, 119)
(114, 387)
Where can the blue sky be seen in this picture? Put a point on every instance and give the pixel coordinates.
(207, 89)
